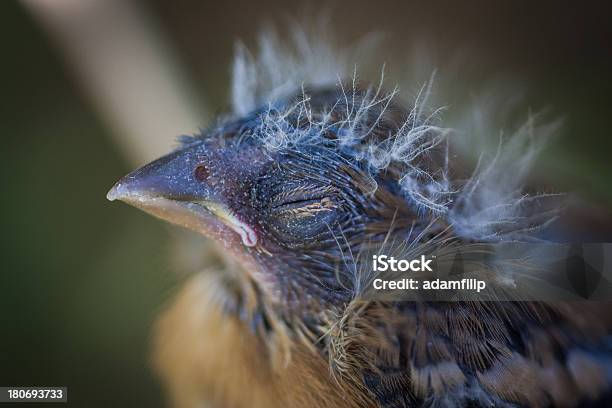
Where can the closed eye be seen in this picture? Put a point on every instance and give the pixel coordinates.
(302, 194)
(296, 221)
(305, 207)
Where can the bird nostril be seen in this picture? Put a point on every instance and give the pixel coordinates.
(201, 173)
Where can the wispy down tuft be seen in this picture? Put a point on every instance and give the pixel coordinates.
(490, 205)
(279, 68)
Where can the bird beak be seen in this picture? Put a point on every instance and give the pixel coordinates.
(166, 189)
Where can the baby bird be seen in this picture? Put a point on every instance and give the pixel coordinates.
(310, 174)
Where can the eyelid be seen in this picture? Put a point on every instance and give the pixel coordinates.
(306, 219)
(308, 205)
(303, 202)
(302, 194)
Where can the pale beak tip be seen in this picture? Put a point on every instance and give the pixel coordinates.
(114, 193)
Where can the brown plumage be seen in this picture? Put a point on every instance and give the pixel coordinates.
(377, 356)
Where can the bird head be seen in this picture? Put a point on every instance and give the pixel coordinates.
(298, 182)
(284, 192)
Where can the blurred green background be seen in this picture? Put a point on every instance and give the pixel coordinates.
(83, 279)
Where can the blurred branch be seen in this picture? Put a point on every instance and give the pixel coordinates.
(124, 65)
